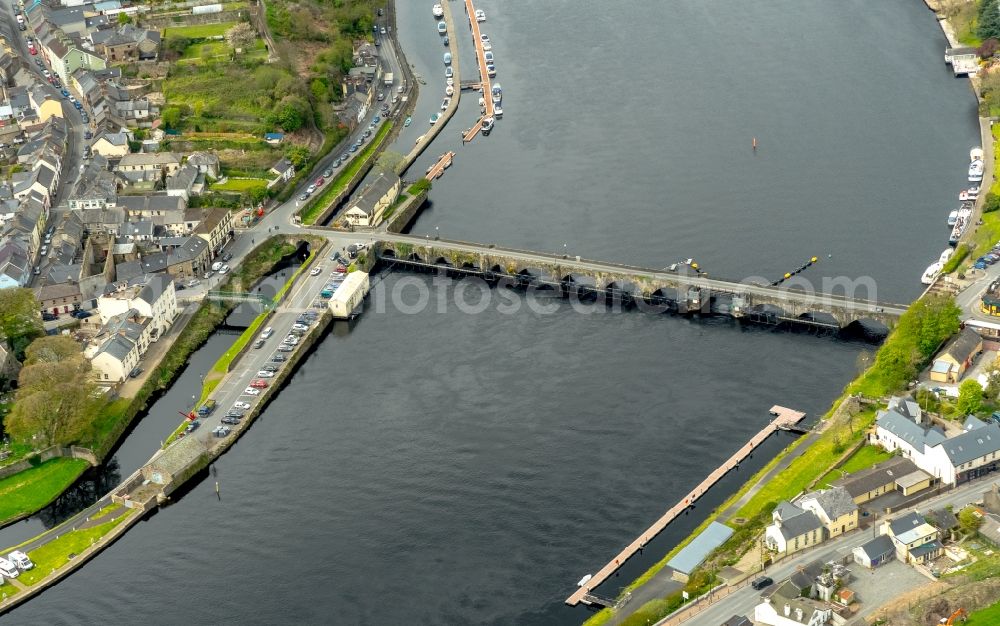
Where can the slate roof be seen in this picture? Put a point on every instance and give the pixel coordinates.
(942, 518)
(786, 509)
(379, 187)
(885, 473)
(962, 347)
(799, 525)
(908, 430)
(282, 166)
(973, 444)
(692, 555)
(906, 406)
(878, 547)
(902, 525)
(835, 502)
(972, 423)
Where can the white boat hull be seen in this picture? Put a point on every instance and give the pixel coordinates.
(931, 273)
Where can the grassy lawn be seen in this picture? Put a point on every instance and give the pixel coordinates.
(240, 184)
(55, 553)
(865, 457)
(32, 489)
(320, 202)
(198, 31)
(989, 616)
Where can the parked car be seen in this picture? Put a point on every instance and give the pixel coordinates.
(303, 197)
(250, 391)
(327, 173)
(136, 371)
(270, 367)
(762, 582)
(230, 420)
(206, 275)
(259, 384)
(319, 181)
(241, 405)
(194, 282)
(82, 315)
(310, 188)
(279, 358)
(221, 431)
(193, 426)
(224, 269)
(265, 374)
(258, 344)
(980, 265)
(285, 348)
(49, 317)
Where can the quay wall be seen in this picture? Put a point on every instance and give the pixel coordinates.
(52, 452)
(406, 213)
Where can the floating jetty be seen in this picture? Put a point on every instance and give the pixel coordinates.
(784, 418)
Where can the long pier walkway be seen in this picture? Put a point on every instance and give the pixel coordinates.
(484, 76)
(784, 418)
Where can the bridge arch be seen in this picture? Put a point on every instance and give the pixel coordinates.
(388, 253)
(621, 291)
(820, 318)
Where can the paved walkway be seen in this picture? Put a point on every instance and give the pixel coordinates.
(151, 359)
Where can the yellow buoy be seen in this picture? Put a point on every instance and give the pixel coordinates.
(787, 275)
(813, 260)
(694, 266)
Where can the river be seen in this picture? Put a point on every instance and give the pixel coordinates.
(443, 467)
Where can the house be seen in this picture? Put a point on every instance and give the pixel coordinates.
(96, 188)
(957, 356)
(116, 349)
(126, 44)
(876, 552)
(792, 529)
(215, 226)
(183, 183)
(44, 104)
(915, 540)
(15, 263)
(111, 145)
(894, 431)
(783, 606)
(206, 162)
(59, 298)
(368, 207)
(966, 456)
(274, 138)
(281, 171)
(152, 296)
(148, 165)
(151, 206)
(944, 520)
(834, 507)
(868, 484)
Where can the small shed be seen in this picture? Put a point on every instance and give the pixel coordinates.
(694, 553)
(875, 552)
(175, 461)
(274, 138)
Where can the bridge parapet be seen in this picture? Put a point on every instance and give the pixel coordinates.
(686, 289)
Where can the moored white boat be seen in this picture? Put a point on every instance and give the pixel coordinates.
(976, 169)
(445, 104)
(435, 118)
(480, 15)
(437, 10)
(442, 28)
(497, 111)
(961, 224)
(449, 91)
(487, 125)
(931, 273)
(947, 254)
(952, 217)
(976, 154)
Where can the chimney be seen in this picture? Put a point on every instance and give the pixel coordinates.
(798, 614)
(788, 610)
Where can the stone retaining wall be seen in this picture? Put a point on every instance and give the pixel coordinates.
(69, 452)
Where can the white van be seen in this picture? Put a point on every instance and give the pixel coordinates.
(216, 266)
(267, 332)
(21, 560)
(8, 569)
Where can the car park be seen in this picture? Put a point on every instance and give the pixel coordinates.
(250, 391)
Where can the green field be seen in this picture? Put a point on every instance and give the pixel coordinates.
(54, 554)
(33, 489)
(198, 31)
(240, 184)
(865, 457)
(990, 616)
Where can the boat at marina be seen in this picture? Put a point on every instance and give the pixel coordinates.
(953, 217)
(976, 154)
(407, 122)
(442, 28)
(961, 224)
(946, 255)
(931, 273)
(497, 111)
(969, 195)
(445, 104)
(447, 58)
(487, 125)
(449, 90)
(976, 169)
(480, 15)
(438, 11)
(497, 93)
(435, 118)
(491, 70)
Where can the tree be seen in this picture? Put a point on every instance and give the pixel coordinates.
(970, 397)
(171, 117)
(298, 155)
(968, 521)
(178, 45)
(992, 202)
(51, 349)
(123, 18)
(241, 36)
(20, 321)
(988, 48)
(54, 404)
(988, 25)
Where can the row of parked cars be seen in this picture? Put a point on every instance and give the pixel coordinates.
(988, 259)
(15, 563)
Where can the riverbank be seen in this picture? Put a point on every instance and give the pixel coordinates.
(60, 549)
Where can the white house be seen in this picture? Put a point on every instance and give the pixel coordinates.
(786, 607)
(151, 296)
(792, 529)
(117, 348)
(915, 540)
(367, 208)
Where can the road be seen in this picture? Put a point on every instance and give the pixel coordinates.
(743, 601)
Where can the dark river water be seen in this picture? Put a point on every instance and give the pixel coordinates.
(431, 466)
